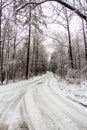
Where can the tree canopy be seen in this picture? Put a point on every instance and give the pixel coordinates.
(66, 4)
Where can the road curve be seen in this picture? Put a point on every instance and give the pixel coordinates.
(40, 105)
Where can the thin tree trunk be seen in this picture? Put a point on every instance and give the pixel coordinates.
(69, 39)
(15, 34)
(84, 35)
(1, 59)
(62, 65)
(85, 42)
(36, 64)
(75, 62)
(0, 39)
(7, 69)
(0, 28)
(2, 56)
(36, 48)
(79, 61)
(28, 46)
(32, 65)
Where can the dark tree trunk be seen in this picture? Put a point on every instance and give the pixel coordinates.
(32, 65)
(84, 35)
(69, 39)
(15, 35)
(85, 41)
(0, 36)
(36, 60)
(1, 57)
(28, 46)
(0, 28)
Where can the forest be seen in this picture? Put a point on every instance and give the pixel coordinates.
(39, 36)
(43, 64)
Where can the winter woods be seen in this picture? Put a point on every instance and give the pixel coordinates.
(22, 53)
(23, 29)
(71, 45)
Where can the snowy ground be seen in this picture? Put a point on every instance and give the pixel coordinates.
(43, 103)
(77, 91)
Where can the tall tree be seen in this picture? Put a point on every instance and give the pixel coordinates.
(15, 36)
(1, 58)
(69, 40)
(85, 41)
(28, 44)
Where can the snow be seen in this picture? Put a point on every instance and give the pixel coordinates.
(75, 91)
(43, 103)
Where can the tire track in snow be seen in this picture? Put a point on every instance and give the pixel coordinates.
(15, 98)
(41, 107)
(57, 116)
(47, 112)
(67, 106)
(3, 89)
(34, 113)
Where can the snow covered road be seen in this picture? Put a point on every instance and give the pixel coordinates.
(40, 105)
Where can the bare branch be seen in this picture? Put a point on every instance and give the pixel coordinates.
(56, 40)
(31, 3)
(7, 4)
(71, 8)
(67, 5)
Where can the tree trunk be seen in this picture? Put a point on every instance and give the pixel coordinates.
(32, 64)
(62, 63)
(15, 35)
(0, 36)
(69, 40)
(79, 61)
(28, 46)
(1, 58)
(0, 28)
(84, 35)
(36, 64)
(85, 42)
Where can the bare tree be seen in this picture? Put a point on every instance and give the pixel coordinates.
(1, 58)
(28, 45)
(69, 40)
(83, 8)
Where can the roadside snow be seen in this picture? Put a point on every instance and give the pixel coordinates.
(76, 92)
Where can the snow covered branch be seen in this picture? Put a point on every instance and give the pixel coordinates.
(66, 4)
(71, 8)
